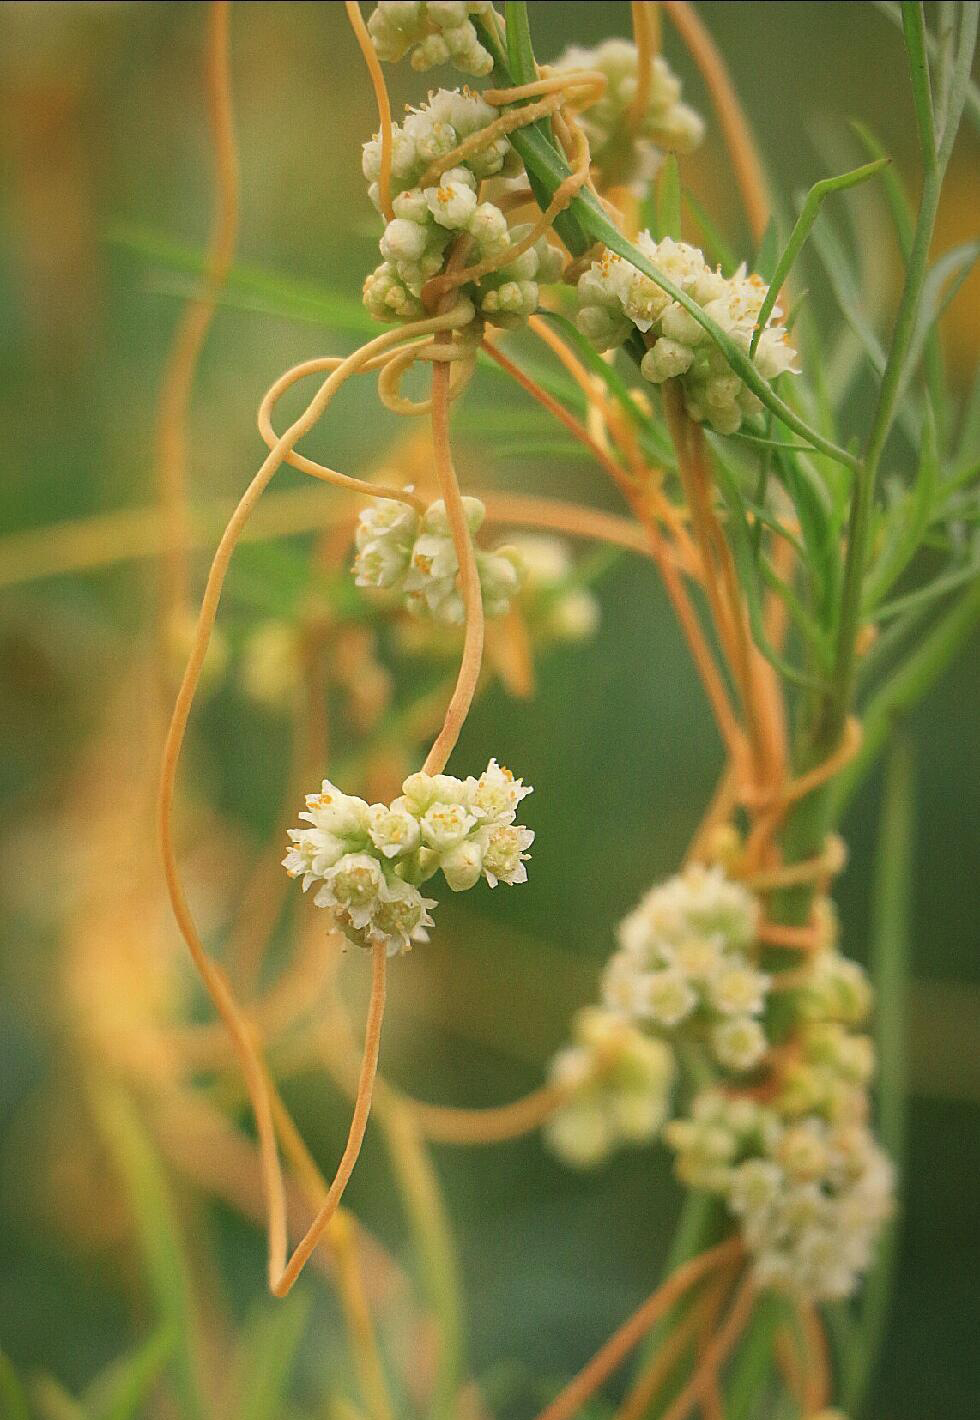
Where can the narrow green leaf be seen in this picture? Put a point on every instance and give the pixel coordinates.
(120, 1391)
(267, 1354)
(272, 292)
(846, 290)
(713, 243)
(764, 261)
(13, 1397)
(160, 1241)
(933, 591)
(939, 289)
(754, 1361)
(907, 521)
(815, 199)
(669, 199)
(914, 30)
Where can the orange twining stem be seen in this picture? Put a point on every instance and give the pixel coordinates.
(191, 332)
(449, 1125)
(714, 1355)
(816, 1371)
(640, 1398)
(612, 1355)
(362, 1108)
(710, 678)
(395, 370)
(555, 89)
(593, 82)
(799, 939)
(211, 974)
(472, 657)
(383, 101)
(811, 870)
(747, 165)
(644, 35)
(528, 510)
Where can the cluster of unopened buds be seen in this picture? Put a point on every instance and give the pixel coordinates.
(371, 859)
(413, 556)
(433, 32)
(625, 146)
(615, 299)
(427, 218)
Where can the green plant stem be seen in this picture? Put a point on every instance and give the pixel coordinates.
(891, 970)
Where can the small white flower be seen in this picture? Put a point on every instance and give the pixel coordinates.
(497, 793)
(445, 825)
(505, 854)
(666, 997)
(739, 1043)
(353, 885)
(737, 989)
(393, 831)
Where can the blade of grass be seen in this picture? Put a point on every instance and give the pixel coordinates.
(266, 1358)
(279, 294)
(120, 1392)
(160, 1241)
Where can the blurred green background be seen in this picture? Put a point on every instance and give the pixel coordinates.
(103, 131)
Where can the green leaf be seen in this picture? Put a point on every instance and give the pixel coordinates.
(907, 521)
(120, 1391)
(941, 284)
(815, 199)
(267, 1354)
(160, 1241)
(13, 1397)
(846, 290)
(925, 596)
(250, 287)
(753, 1363)
(669, 199)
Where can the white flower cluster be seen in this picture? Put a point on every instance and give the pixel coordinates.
(811, 1196)
(614, 298)
(372, 858)
(622, 150)
(427, 219)
(556, 610)
(684, 961)
(618, 1082)
(415, 558)
(436, 32)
